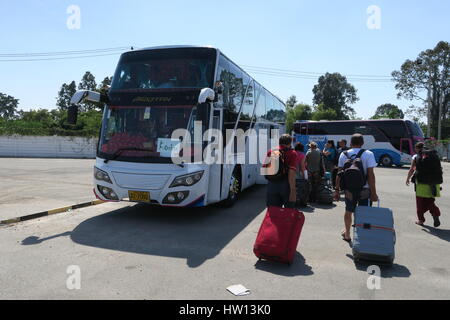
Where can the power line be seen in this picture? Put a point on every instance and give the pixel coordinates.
(277, 72)
(62, 58)
(312, 75)
(10, 55)
(306, 77)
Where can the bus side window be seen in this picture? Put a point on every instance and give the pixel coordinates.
(303, 129)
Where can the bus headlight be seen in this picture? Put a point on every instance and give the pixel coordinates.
(187, 180)
(101, 175)
(175, 197)
(108, 193)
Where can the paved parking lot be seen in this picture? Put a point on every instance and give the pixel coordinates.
(35, 185)
(128, 251)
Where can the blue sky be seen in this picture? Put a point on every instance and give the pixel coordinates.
(314, 36)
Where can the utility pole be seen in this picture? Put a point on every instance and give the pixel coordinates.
(441, 105)
(419, 62)
(429, 108)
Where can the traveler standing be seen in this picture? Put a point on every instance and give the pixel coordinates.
(356, 177)
(342, 146)
(330, 154)
(316, 170)
(281, 189)
(426, 194)
(301, 161)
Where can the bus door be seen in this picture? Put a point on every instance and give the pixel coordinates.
(406, 146)
(215, 170)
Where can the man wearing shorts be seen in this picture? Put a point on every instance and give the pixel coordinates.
(369, 192)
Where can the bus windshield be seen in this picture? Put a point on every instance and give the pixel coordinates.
(141, 134)
(165, 68)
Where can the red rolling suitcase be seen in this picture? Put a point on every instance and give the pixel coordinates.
(279, 234)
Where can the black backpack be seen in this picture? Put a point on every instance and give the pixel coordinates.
(352, 176)
(429, 168)
(276, 168)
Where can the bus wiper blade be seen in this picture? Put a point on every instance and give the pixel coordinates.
(119, 151)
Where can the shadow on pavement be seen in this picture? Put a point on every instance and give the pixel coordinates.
(313, 206)
(440, 233)
(36, 240)
(197, 234)
(298, 267)
(394, 271)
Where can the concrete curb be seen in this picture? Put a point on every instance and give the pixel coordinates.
(50, 212)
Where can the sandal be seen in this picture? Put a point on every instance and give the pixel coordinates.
(345, 239)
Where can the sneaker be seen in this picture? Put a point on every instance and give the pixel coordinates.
(437, 222)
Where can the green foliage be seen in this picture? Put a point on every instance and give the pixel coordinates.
(323, 113)
(298, 112)
(430, 70)
(335, 93)
(291, 102)
(44, 122)
(48, 123)
(8, 106)
(65, 94)
(389, 111)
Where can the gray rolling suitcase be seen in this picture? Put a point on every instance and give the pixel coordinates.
(374, 235)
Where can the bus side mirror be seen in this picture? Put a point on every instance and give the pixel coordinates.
(72, 114)
(87, 95)
(206, 94)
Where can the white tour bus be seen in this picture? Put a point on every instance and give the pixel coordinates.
(156, 91)
(391, 141)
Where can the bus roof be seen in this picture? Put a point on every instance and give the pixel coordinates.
(201, 47)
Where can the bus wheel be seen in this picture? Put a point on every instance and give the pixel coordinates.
(386, 161)
(235, 189)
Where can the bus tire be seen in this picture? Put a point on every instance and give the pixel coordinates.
(386, 161)
(235, 189)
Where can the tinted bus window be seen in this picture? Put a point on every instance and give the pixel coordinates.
(393, 130)
(247, 108)
(414, 129)
(165, 68)
(260, 111)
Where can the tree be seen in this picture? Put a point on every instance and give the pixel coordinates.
(298, 112)
(389, 111)
(65, 94)
(335, 93)
(8, 106)
(322, 113)
(431, 70)
(291, 102)
(105, 83)
(88, 83)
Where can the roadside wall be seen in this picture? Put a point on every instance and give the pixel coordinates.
(17, 146)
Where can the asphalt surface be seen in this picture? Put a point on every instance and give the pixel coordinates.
(133, 251)
(30, 186)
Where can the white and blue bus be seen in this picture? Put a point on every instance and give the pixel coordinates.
(391, 141)
(156, 91)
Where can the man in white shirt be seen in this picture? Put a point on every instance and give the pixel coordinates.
(368, 192)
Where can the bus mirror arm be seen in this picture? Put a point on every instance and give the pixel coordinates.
(206, 94)
(85, 95)
(91, 96)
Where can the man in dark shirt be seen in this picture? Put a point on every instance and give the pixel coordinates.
(283, 193)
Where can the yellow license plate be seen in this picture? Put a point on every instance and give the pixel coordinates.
(139, 196)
